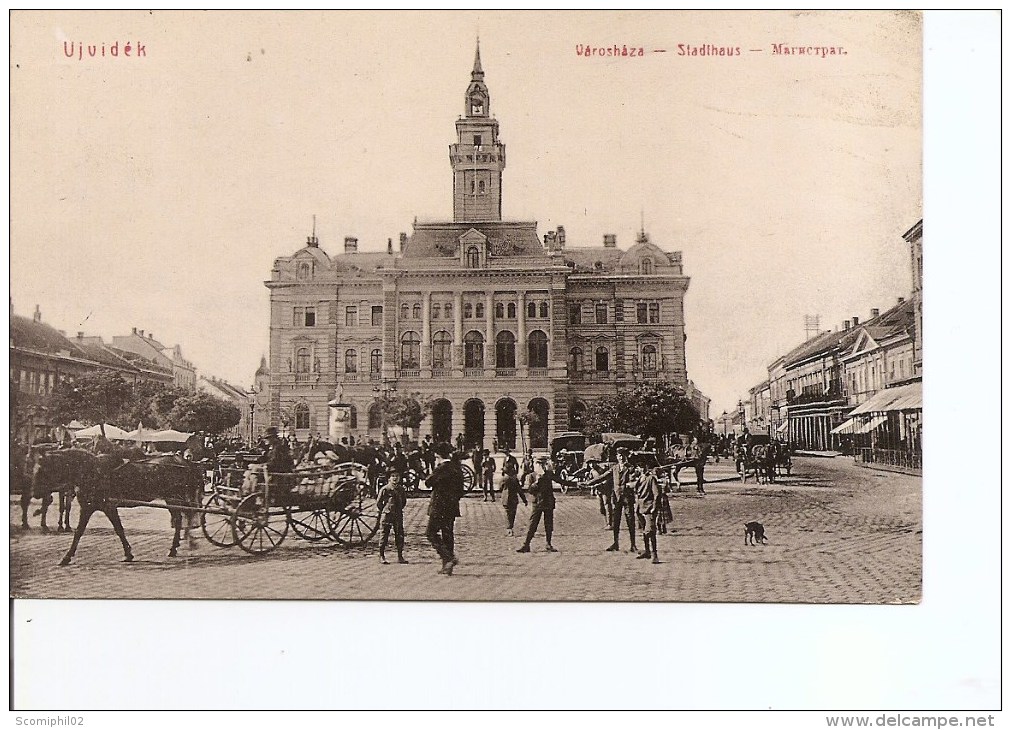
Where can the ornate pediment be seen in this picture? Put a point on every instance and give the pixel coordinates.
(649, 335)
(473, 236)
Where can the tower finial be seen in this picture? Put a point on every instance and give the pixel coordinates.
(312, 240)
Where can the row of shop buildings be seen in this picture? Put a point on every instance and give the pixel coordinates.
(41, 356)
(856, 389)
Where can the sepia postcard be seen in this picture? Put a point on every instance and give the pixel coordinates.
(288, 321)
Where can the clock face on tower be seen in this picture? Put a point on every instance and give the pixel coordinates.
(476, 105)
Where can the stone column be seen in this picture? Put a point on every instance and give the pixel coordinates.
(521, 333)
(489, 329)
(390, 363)
(490, 432)
(458, 334)
(426, 335)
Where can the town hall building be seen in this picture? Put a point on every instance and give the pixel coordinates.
(493, 327)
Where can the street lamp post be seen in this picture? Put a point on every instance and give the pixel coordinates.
(252, 409)
(740, 412)
(383, 393)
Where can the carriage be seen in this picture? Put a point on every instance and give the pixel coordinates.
(254, 509)
(567, 451)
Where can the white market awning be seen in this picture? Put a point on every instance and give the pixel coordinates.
(845, 426)
(872, 424)
(111, 432)
(905, 397)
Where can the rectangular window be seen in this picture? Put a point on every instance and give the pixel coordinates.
(310, 316)
(640, 312)
(449, 311)
(436, 311)
(377, 316)
(619, 310)
(654, 313)
(601, 313)
(351, 317)
(477, 140)
(299, 317)
(575, 314)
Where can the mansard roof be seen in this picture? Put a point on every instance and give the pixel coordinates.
(585, 259)
(505, 238)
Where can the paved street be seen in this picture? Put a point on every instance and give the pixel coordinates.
(837, 533)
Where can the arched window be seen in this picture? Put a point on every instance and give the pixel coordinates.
(405, 310)
(351, 361)
(511, 310)
(304, 271)
(646, 266)
(480, 187)
(505, 350)
(473, 257)
(542, 310)
(375, 416)
(649, 358)
(302, 360)
(575, 361)
(416, 311)
(410, 351)
(449, 311)
(301, 415)
(442, 347)
(479, 311)
(531, 309)
(468, 310)
(537, 349)
(354, 417)
(376, 362)
(473, 350)
(436, 311)
(600, 359)
(499, 311)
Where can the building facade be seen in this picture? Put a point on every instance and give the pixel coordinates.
(184, 374)
(503, 335)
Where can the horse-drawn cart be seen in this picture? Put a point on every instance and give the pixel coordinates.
(254, 509)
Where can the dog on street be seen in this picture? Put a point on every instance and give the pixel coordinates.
(754, 531)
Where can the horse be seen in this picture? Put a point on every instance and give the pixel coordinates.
(31, 488)
(104, 480)
(746, 463)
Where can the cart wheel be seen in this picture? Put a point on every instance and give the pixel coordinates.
(468, 478)
(312, 526)
(217, 528)
(256, 529)
(356, 523)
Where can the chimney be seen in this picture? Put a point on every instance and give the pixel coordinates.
(901, 300)
(389, 245)
(856, 321)
(403, 241)
(846, 324)
(135, 330)
(80, 335)
(610, 240)
(150, 335)
(140, 332)
(561, 237)
(550, 240)
(875, 313)
(37, 314)
(350, 244)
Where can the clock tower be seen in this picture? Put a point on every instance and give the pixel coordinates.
(478, 157)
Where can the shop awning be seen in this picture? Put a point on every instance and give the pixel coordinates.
(905, 397)
(872, 424)
(845, 427)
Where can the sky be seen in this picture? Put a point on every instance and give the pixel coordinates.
(156, 191)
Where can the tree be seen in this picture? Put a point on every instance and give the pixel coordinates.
(648, 409)
(404, 410)
(203, 412)
(97, 397)
(527, 419)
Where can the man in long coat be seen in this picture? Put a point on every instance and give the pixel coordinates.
(446, 483)
(543, 493)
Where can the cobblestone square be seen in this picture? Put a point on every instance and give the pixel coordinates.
(838, 533)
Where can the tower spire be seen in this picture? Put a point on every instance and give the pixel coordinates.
(478, 73)
(312, 240)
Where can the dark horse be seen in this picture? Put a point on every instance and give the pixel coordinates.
(105, 481)
(23, 471)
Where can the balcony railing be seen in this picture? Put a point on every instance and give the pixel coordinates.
(350, 377)
(305, 377)
(505, 372)
(473, 372)
(375, 376)
(601, 374)
(412, 373)
(538, 372)
(650, 374)
(442, 372)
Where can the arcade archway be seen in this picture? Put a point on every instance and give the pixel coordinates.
(473, 423)
(442, 421)
(505, 423)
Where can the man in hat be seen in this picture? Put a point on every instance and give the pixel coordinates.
(647, 504)
(277, 457)
(391, 502)
(446, 483)
(543, 504)
(509, 463)
(622, 500)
